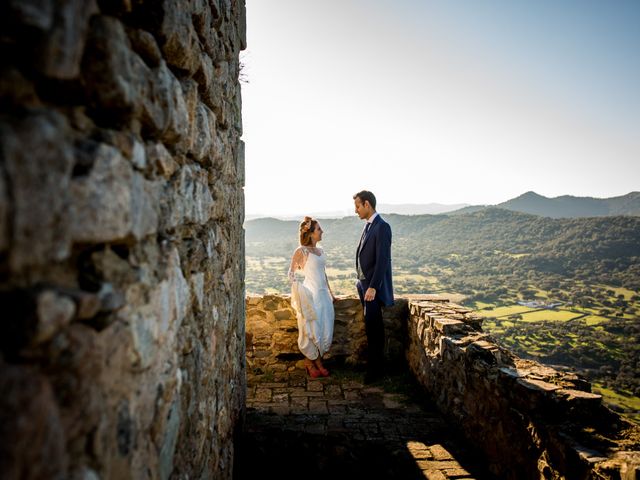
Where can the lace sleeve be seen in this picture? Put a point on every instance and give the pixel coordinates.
(298, 260)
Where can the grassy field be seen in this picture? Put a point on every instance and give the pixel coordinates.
(592, 320)
(488, 310)
(335, 272)
(623, 402)
(528, 314)
(511, 255)
(550, 316)
(619, 291)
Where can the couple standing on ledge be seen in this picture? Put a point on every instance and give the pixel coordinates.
(313, 299)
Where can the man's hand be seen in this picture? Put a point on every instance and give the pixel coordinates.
(370, 294)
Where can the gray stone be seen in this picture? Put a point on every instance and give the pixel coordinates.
(164, 111)
(242, 25)
(191, 102)
(216, 91)
(61, 50)
(161, 160)
(88, 305)
(204, 76)
(76, 374)
(54, 312)
(240, 162)
(168, 448)
(118, 82)
(205, 133)
(180, 44)
(57, 30)
(205, 23)
(170, 99)
(113, 202)
(197, 288)
(144, 206)
(39, 178)
(145, 45)
(139, 156)
(171, 299)
(32, 437)
(236, 103)
(85, 473)
(145, 335)
(191, 200)
(112, 268)
(110, 299)
(37, 14)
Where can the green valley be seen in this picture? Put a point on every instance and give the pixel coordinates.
(565, 292)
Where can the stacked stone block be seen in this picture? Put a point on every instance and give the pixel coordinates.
(530, 421)
(272, 333)
(121, 243)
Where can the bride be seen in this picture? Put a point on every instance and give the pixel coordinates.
(312, 299)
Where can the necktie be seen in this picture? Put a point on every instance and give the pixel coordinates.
(364, 235)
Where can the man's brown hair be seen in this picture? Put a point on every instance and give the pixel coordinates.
(366, 196)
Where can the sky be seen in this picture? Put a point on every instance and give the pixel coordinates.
(449, 101)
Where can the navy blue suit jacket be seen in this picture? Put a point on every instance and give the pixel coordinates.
(375, 260)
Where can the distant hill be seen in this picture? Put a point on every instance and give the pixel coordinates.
(567, 206)
(400, 209)
(419, 208)
(469, 209)
(299, 216)
(549, 245)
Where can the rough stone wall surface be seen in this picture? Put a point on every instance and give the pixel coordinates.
(530, 421)
(272, 332)
(121, 242)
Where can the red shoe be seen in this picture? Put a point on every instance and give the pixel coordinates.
(312, 371)
(323, 371)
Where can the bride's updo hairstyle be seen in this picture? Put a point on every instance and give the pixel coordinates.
(307, 227)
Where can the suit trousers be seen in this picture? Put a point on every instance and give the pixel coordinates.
(374, 328)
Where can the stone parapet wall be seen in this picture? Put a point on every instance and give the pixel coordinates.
(272, 332)
(121, 242)
(530, 421)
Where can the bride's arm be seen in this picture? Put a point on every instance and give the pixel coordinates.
(298, 260)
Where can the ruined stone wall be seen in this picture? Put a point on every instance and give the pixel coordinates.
(530, 421)
(121, 242)
(272, 332)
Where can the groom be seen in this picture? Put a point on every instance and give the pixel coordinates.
(373, 265)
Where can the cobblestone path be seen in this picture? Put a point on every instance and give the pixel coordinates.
(337, 427)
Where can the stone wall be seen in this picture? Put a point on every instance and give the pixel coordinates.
(272, 332)
(530, 421)
(121, 243)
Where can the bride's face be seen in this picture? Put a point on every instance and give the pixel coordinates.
(317, 233)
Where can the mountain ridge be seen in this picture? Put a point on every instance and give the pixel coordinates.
(563, 206)
(569, 206)
(566, 206)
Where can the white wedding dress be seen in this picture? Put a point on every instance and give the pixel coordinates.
(312, 302)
